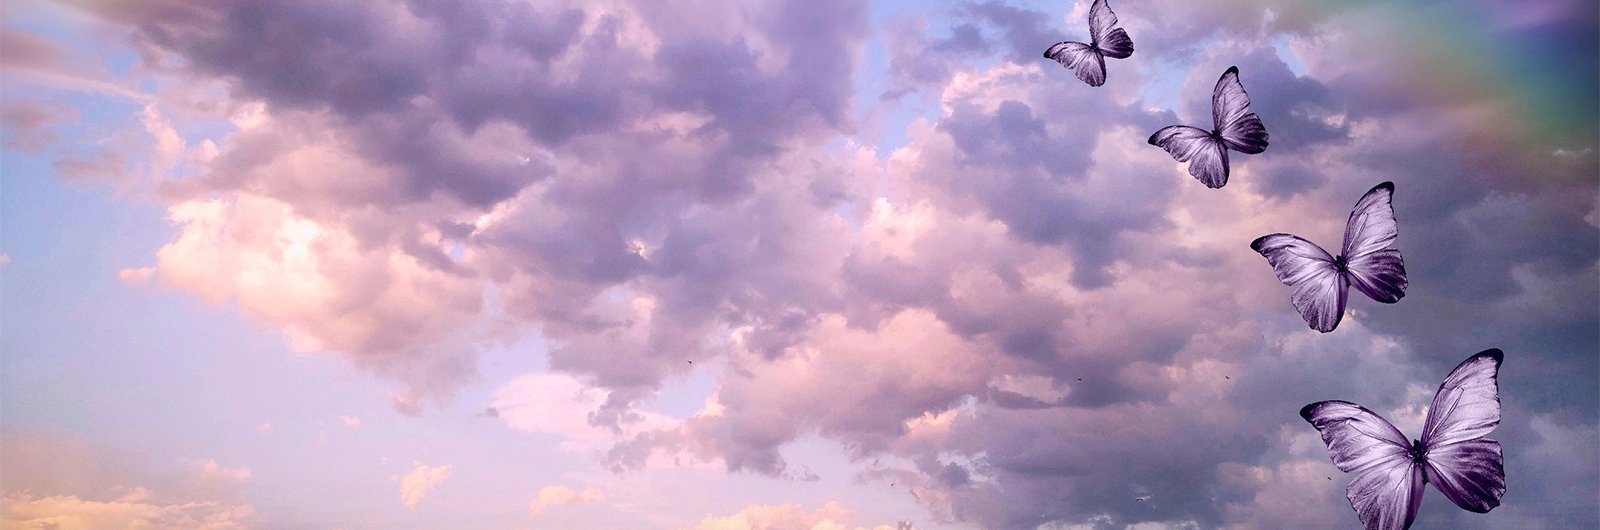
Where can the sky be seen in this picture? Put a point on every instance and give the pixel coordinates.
(820, 264)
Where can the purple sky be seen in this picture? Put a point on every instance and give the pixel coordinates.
(810, 264)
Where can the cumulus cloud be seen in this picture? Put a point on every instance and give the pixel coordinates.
(422, 479)
(552, 496)
(261, 256)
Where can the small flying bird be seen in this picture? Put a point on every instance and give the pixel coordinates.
(1105, 40)
(1452, 453)
(1321, 282)
(1233, 127)
(1142, 498)
(1226, 377)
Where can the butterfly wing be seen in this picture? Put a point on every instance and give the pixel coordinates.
(1386, 497)
(1241, 130)
(1081, 59)
(1465, 468)
(1319, 288)
(1470, 473)
(1388, 486)
(1208, 161)
(1375, 269)
(1104, 33)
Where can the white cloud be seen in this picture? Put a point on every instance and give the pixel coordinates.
(350, 421)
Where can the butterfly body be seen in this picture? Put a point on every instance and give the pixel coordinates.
(1451, 454)
(1365, 261)
(1419, 454)
(1105, 40)
(1234, 128)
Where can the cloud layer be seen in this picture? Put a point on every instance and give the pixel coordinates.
(1039, 316)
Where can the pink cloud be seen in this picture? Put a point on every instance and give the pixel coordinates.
(831, 516)
(553, 496)
(59, 480)
(420, 481)
(135, 509)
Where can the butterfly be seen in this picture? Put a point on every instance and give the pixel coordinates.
(1105, 40)
(1452, 455)
(1321, 282)
(1236, 128)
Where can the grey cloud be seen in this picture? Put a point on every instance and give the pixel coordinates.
(1025, 32)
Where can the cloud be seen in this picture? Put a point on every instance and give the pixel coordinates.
(908, 368)
(419, 482)
(210, 470)
(28, 126)
(264, 428)
(1036, 316)
(423, 161)
(563, 406)
(40, 60)
(136, 277)
(830, 516)
(135, 509)
(56, 479)
(350, 421)
(552, 496)
(258, 254)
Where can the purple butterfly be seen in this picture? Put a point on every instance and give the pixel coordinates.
(1105, 40)
(1365, 260)
(1451, 454)
(1236, 128)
